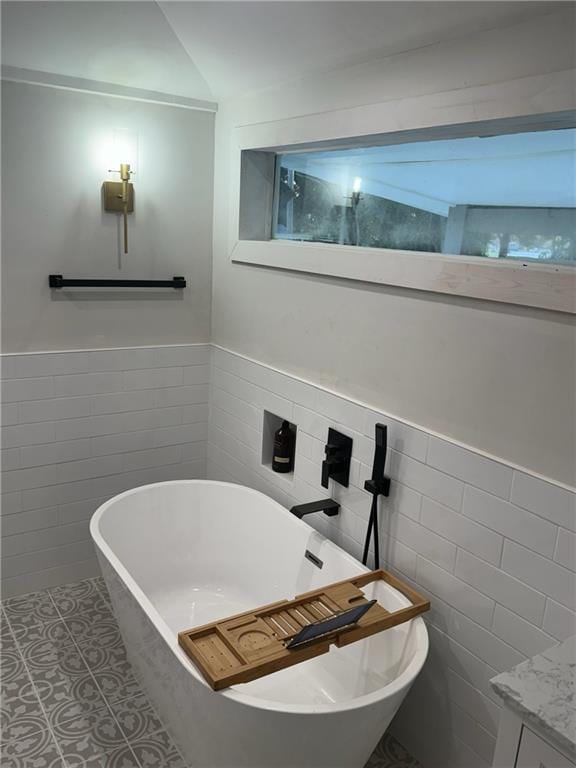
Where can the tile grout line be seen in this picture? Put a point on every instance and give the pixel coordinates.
(105, 434)
(108, 453)
(101, 591)
(350, 399)
(119, 473)
(104, 370)
(470, 449)
(44, 712)
(121, 701)
(95, 682)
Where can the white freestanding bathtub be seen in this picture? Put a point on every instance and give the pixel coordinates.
(179, 554)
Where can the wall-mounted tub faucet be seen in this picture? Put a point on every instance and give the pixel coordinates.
(328, 506)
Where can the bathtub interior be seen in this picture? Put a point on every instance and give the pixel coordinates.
(201, 551)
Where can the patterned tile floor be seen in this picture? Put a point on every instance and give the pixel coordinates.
(69, 698)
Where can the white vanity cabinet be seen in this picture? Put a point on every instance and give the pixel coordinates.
(534, 752)
(520, 747)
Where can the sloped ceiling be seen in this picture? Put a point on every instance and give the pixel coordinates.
(215, 50)
(124, 43)
(245, 46)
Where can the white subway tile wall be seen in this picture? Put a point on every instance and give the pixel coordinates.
(79, 427)
(492, 546)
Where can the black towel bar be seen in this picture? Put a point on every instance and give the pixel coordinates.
(57, 281)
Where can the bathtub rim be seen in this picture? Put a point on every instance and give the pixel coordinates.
(404, 680)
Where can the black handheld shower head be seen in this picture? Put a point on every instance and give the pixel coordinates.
(378, 485)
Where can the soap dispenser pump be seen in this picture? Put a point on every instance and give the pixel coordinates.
(283, 455)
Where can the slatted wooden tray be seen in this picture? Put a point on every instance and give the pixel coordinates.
(250, 645)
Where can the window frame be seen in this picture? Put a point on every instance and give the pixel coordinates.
(502, 108)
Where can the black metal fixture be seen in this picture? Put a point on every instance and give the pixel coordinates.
(328, 506)
(336, 465)
(377, 485)
(57, 281)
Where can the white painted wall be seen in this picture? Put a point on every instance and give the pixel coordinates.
(52, 172)
(497, 378)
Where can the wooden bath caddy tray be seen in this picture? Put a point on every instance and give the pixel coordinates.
(250, 645)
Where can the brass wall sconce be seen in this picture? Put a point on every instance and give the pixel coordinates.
(119, 197)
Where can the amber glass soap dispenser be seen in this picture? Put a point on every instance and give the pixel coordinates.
(283, 455)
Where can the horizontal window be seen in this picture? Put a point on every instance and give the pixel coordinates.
(500, 196)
